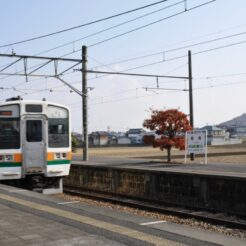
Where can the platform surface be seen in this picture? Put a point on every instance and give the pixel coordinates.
(28, 218)
(213, 169)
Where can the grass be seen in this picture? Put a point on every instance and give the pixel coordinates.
(154, 154)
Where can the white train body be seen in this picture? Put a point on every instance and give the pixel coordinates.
(35, 140)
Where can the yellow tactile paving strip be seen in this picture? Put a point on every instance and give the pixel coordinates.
(125, 231)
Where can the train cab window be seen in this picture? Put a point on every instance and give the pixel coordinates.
(10, 127)
(33, 130)
(58, 127)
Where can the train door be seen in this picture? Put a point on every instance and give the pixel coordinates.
(34, 144)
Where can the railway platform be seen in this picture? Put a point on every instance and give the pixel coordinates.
(211, 169)
(28, 218)
(217, 187)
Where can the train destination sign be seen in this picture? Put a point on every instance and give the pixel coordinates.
(6, 113)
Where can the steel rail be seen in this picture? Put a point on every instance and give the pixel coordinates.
(213, 217)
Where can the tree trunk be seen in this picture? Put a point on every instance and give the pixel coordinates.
(169, 154)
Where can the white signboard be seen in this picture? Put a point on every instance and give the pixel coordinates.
(196, 143)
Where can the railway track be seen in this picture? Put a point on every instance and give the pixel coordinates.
(212, 217)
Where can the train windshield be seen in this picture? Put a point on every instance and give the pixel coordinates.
(10, 127)
(58, 127)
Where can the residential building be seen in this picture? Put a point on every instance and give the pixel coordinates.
(218, 136)
(136, 135)
(215, 135)
(124, 140)
(98, 138)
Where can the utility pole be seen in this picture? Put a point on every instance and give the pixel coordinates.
(192, 157)
(84, 103)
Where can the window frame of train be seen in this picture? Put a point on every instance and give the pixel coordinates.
(20, 119)
(58, 127)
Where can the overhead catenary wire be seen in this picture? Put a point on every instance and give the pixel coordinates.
(72, 83)
(171, 45)
(140, 27)
(109, 28)
(143, 96)
(219, 47)
(179, 57)
(159, 94)
(219, 76)
(198, 88)
(172, 50)
(149, 24)
(104, 30)
(85, 24)
(134, 98)
(152, 23)
(220, 85)
(80, 49)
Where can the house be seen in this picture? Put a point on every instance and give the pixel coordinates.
(113, 137)
(237, 131)
(236, 126)
(98, 138)
(219, 136)
(215, 135)
(123, 140)
(136, 135)
(135, 131)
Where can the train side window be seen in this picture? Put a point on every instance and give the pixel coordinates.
(33, 130)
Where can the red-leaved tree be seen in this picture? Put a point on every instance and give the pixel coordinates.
(171, 126)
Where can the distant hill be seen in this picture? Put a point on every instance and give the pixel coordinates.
(239, 121)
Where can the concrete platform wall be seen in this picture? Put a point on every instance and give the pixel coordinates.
(192, 190)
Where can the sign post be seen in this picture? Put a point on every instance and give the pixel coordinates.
(196, 142)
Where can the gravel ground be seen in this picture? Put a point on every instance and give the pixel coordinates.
(189, 222)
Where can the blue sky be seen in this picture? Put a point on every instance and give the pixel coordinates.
(117, 102)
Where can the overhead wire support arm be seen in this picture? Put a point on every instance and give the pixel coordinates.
(40, 57)
(36, 69)
(70, 86)
(9, 65)
(165, 89)
(29, 75)
(61, 73)
(138, 74)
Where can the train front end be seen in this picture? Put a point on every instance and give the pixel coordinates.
(35, 143)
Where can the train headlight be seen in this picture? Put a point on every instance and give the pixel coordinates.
(1, 157)
(58, 156)
(8, 158)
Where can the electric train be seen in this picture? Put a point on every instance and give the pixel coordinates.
(35, 142)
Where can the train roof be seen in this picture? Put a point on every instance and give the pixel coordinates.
(23, 102)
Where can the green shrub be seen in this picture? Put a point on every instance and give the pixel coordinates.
(75, 143)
